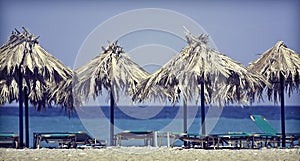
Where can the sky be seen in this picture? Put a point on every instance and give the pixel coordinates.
(239, 29)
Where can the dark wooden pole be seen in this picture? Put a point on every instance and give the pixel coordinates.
(202, 109)
(184, 116)
(26, 117)
(282, 109)
(112, 119)
(20, 109)
(185, 119)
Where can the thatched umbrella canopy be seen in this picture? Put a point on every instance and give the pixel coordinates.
(39, 69)
(26, 67)
(112, 70)
(200, 70)
(281, 67)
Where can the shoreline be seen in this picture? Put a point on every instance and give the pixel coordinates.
(148, 153)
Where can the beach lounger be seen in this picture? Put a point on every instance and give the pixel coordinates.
(145, 135)
(9, 139)
(270, 136)
(170, 136)
(64, 139)
(84, 140)
(236, 140)
(296, 137)
(198, 141)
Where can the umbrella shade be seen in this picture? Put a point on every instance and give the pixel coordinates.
(112, 70)
(275, 61)
(225, 80)
(199, 70)
(26, 68)
(39, 69)
(281, 67)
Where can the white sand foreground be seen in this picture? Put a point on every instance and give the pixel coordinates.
(147, 153)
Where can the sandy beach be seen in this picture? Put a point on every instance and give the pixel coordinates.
(147, 153)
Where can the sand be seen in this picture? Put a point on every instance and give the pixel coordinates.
(147, 153)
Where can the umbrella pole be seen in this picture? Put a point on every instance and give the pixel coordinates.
(26, 117)
(112, 119)
(184, 116)
(202, 109)
(282, 109)
(20, 110)
(185, 119)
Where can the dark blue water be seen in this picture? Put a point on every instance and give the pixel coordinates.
(95, 120)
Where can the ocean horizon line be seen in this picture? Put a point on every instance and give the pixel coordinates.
(170, 112)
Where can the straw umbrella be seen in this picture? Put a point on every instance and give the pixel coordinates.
(26, 68)
(114, 71)
(281, 67)
(199, 70)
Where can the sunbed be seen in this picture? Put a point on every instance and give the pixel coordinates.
(9, 139)
(62, 138)
(235, 140)
(68, 139)
(145, 135)
(170, 136)
(199, 141)
(270, 135)
(84, 140)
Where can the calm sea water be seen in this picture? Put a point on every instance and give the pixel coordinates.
(95, 120)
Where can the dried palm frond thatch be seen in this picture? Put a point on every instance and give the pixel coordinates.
(276, 61)
(112, 70)
(63, 94)
(39, 69)
(225, 80)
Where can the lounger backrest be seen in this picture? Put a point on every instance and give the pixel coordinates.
(263, 124)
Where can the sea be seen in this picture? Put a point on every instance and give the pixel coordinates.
(95, 120)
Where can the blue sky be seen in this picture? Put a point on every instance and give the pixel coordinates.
(239, 29)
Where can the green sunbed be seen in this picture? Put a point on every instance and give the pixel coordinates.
(84, 140)
(9, 139)
(236, 140)
(193, 140)
(69, 139)
(270, 134)
(62, 138)
(146, 135)
(170, 136)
